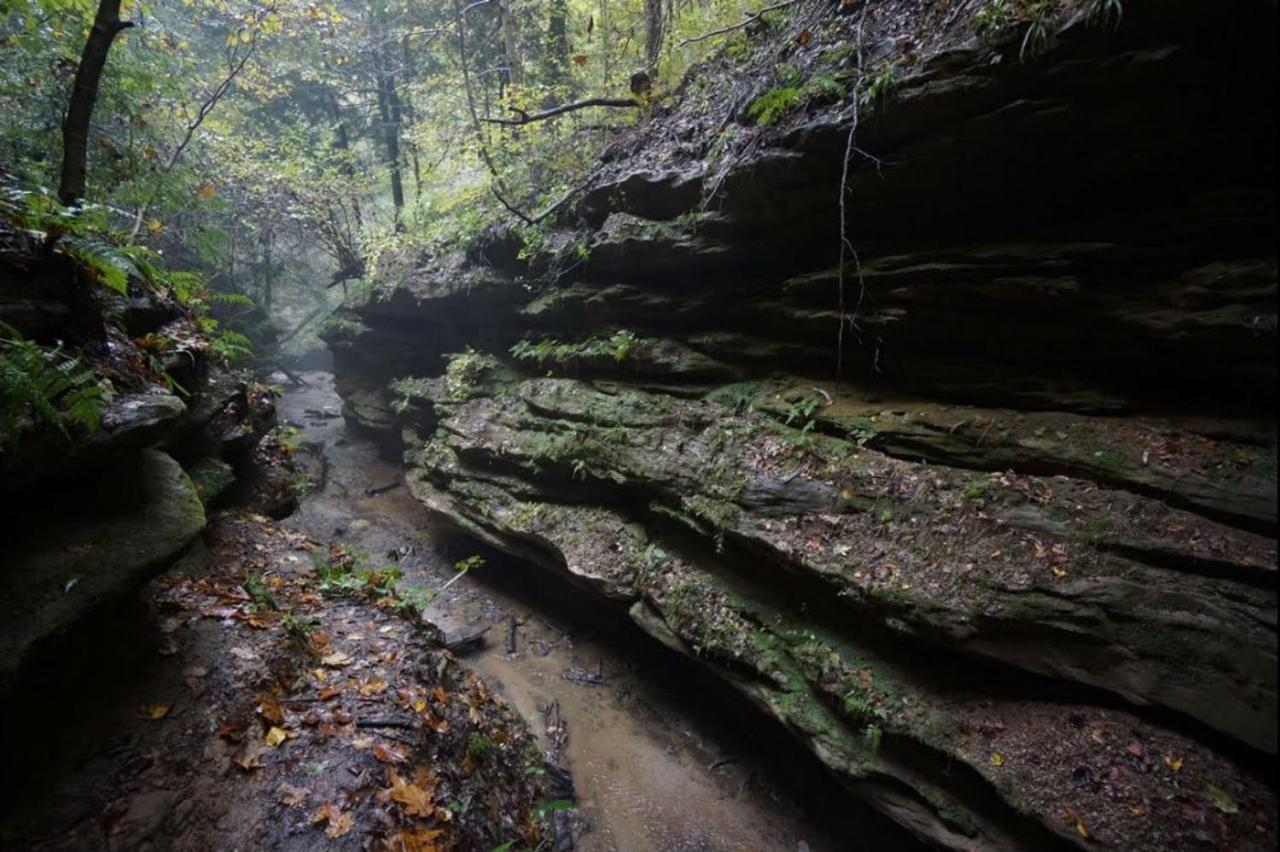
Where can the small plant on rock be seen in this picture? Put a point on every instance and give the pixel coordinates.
(41, 386)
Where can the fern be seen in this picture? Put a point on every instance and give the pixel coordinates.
(113, 267)
(40, 386)
(232, 346)
(1100, 11)
(769, 108)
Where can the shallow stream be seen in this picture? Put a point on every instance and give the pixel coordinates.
(658, 763)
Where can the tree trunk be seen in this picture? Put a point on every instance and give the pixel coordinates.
(84, 94)
(652, 32)
(389, 113)
(510, 47)
(557, 52)
(343, 140)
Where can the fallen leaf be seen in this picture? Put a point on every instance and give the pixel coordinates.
(373, 686)
(341, 716)
(440, 694)
(1221, 800)
(337, 660)
(422, 840)
(206, 190)
(1174, 763)
(580, 59)
(270, 708)
(339, 822)
(330, 691)
(154, 712)
(416, 801)
(362, 742)
(247, 757)
(291, 795)
(804, 38)
(997, 759)
(1081, 830)
(275, 736)
(257, 619)
(387, 754)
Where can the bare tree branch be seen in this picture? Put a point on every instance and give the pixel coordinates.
(525, 118)
(746, 23)
(533, 220)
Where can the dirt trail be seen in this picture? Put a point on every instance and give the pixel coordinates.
(641, 753)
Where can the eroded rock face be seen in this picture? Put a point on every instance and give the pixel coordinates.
(1013, 576)
(97, 548)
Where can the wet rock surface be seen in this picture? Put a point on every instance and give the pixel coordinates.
(982, 519)
(58, 570)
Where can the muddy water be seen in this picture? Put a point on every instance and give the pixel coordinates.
(653, 768)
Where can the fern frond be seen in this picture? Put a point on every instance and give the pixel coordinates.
(44, 386)
(112, 266)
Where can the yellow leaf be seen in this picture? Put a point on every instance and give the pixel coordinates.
(1081, 830)
(1174, 763)
(275, 736)
(373, 686)
(206, 190)
(1059, 572)
(997, 759)
(154, 226)
(154, 712)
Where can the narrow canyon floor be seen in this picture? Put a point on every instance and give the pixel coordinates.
(250, 725)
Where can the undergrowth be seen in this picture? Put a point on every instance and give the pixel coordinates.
(42, 386)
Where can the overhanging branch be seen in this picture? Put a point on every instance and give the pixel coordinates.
(526, 118)
(749, 20)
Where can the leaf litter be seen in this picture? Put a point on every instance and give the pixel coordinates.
(274, 721)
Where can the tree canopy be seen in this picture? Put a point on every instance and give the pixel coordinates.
(296, 144)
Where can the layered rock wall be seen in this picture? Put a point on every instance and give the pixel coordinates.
(986, 517)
